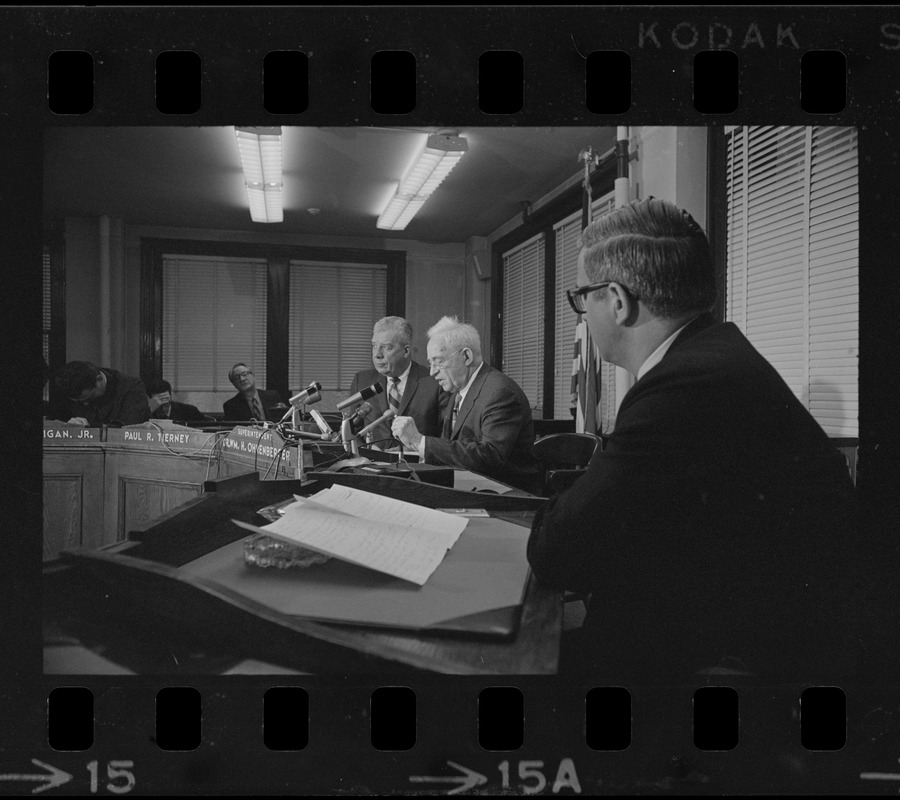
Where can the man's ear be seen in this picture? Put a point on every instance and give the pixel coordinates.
(625, 306)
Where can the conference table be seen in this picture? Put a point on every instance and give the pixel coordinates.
(140, 605)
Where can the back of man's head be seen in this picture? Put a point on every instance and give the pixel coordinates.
(656, 251)
(158, 387)
(77, 376)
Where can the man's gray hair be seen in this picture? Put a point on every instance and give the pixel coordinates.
(456, 335)
(401, 329)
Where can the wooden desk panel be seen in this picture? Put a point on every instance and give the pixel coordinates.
(141, 485)
(73, 498)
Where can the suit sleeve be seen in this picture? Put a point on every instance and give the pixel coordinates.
(582, 537)
(501, 422)
(134, 407)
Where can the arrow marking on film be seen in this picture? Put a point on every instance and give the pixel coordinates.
(468, 780)
(52, 778)
(880, 776)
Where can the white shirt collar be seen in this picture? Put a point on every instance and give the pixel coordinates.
(657, 355)
(465, 389)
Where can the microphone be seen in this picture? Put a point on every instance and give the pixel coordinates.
(385, 416)
(365, 394)
(321, 422)
(356, 417)
(307, 397)
(304, 397)
(347, 437)
(322, 437)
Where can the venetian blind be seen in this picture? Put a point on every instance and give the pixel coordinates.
(568, 246)
(333, 308)
(214, 314)
(523, 317)
(793, 263)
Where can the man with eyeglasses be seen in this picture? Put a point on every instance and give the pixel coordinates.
(102, 396)
(713, 529)
(488, 427)
(408, 388)
(250, 403)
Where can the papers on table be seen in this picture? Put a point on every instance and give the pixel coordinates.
(398, 538)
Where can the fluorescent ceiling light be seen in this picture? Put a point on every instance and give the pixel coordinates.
(441, 154)
(260, 150)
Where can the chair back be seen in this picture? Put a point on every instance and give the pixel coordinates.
(849, 448)
(566, 450)
(564, 456)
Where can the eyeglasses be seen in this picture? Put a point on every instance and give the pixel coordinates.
(239, 375)
(438, 363)
(576, 295)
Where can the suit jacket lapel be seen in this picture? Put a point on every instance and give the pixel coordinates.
(412, 383)
(469, 401)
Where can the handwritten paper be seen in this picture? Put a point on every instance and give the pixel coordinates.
(391, 536)
(366, 505)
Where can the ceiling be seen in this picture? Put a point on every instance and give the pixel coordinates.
(190, 177)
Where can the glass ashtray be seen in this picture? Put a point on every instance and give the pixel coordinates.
(265, 552)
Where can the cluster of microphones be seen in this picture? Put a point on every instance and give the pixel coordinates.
(354, 410)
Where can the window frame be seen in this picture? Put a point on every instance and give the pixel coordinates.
(278, 259)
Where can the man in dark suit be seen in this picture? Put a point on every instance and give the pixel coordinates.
(488, 427)
(713, 530)
(250, 402)
(408, 388)
(102, 396)
(162, 406)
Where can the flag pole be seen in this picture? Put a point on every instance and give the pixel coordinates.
(624, 379)
(585, 365)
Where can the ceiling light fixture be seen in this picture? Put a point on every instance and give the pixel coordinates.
(260, 150)
(441, 154)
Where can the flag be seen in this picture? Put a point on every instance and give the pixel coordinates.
(585, 361)
(586, 377)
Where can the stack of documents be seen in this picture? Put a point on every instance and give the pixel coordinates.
(391, 536)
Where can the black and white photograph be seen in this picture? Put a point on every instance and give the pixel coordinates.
(522, 443)
(246, 265)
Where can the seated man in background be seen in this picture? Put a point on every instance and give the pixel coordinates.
(714, 528)
(488, 427)
(250, 402)
(102, 396)
(408, 388)
(162, 406)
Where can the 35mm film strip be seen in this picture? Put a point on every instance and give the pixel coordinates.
(182, 719)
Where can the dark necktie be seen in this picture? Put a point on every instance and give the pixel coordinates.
(394, 395)
(256, 408)
(457, 402)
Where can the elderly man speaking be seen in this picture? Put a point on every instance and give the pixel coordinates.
(488, 427)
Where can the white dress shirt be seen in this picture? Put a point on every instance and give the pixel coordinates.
(401, 384)
(657, 355)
